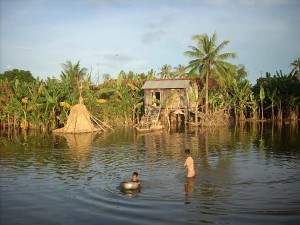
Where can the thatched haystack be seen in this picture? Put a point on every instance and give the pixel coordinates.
(79, 121)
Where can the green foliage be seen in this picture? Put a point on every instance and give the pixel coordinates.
(241, 95)
(124, 97)
(20, 75)
(282, 94)
(166, 72)
(30, 103)
(208, 61)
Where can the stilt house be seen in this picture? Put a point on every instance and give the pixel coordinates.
(171, 96)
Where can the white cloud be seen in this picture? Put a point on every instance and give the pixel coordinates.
(140, 35)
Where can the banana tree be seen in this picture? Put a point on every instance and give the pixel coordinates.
(174, 96)
(271, 94)
(19, 102)
(19, 107)
(253, 105)
(241, 92)
(52, 94)
(262, 97)
(136, 92)
(196, 98)
(218, 101)
(127, 94)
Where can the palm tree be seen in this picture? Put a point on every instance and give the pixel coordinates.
(166, 72)
(208, 60)
(296, 69)
(180, 71)
(150, 75)
(74, 75)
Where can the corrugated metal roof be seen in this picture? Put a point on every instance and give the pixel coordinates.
(164, 84)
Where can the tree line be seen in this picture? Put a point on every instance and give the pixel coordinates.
(30, 103)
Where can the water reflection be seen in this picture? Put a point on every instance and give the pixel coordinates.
(246, 172)
(131, 193)
(80, 144)
(189, 186)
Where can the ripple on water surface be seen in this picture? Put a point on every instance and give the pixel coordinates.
(237, 182)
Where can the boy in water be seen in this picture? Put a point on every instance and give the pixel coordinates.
(189, 164)
(135, 178)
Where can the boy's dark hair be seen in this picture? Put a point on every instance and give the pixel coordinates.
(135, 173)
(188, 151)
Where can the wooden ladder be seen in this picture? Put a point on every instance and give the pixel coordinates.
(152, 115)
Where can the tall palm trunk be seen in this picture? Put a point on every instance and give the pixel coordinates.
(207, 86)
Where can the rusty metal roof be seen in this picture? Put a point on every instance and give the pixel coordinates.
(165, 84)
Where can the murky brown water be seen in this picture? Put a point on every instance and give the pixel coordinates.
(246, 174)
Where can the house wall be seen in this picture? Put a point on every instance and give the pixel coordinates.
(181, 103)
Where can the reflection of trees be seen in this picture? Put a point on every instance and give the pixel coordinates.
(21, 145)
(35, 151)
(205, 140)
(281, 139)
(118, 137)
(242, 135)
(213, 150)
(268, 137)
(64, 154)
(156, 144)
(201, 141)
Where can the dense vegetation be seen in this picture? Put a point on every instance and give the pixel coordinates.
(32, 103)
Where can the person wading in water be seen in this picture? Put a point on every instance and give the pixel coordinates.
(189, 164)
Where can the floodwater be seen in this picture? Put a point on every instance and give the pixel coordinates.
(246, 174)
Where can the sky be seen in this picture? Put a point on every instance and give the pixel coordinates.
(139, 35)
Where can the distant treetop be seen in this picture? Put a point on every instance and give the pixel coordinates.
(21, 75)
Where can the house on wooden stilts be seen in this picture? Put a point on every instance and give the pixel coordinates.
(169, 98)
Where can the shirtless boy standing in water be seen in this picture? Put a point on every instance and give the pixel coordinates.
(189, 164)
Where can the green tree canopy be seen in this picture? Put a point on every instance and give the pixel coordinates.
(15, 74)
(208, 60)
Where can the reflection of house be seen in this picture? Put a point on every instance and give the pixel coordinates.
(159, 92)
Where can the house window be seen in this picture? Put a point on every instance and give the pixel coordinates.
(156, 96)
